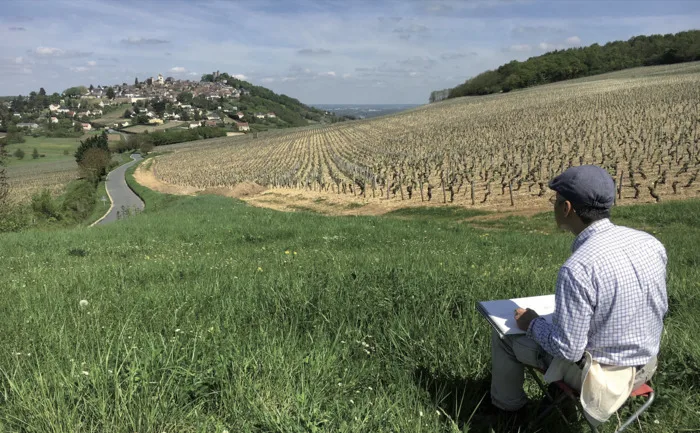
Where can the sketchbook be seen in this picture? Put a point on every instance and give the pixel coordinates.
(501, 313)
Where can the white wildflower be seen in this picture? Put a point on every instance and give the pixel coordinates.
(83, 303)
(420, 412)
(85, 373)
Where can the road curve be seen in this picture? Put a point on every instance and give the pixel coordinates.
(119, 192)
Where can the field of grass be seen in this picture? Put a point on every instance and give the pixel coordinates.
(205, 314)
(113, 116)
(138, 129)
(54, 149)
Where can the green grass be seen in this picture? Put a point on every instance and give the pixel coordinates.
(53, 148)
(207, 314)
(101, 207)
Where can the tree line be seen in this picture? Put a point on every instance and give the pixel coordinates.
(571, 63)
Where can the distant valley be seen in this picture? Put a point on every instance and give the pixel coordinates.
(364, 111)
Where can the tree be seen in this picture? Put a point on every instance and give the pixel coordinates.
(91, 88)
(74, 92)
(136, 81)
(42, 92)
(94, 142)
(94, 163)
(110, 93)
(185, 98)
(35, 154)
(19, 153)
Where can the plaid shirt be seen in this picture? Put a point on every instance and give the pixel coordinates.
(610, 298)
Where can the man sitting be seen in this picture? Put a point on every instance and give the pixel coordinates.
(610, 302)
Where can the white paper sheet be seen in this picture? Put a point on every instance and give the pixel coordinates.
(501, 313)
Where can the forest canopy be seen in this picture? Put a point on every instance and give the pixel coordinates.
(584, 61)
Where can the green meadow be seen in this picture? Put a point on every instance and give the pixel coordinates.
(205, 314)
(53, 149)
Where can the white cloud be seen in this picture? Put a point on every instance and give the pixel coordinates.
(57, 52)
(178, 69)
(19, 60)
(268, 80)
(326, 74)
(48, 51)
(239, 77)
(92, 63)
(194, 74)
(546, 46)
(144, 41)
(574, 40)
(347, 75)
(521, 48)
(78, 68)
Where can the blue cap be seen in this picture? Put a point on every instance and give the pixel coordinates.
(586, 185)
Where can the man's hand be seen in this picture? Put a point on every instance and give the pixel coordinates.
(524, 316)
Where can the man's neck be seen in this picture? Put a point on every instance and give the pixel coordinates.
(578, 226)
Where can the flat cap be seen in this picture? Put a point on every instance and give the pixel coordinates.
(586, 185)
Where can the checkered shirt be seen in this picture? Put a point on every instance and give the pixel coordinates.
(610, 298)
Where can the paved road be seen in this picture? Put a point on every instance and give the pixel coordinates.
(122, 197)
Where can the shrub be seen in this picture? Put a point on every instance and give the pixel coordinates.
(44, 206)
(78, 200)
(19, 153)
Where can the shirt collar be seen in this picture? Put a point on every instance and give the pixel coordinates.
(596, 227)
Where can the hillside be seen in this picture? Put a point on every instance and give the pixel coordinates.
(210, 315)
(493, 152)
(562, 65)
(258, 99)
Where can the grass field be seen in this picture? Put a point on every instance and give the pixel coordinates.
(113, 116)
(205, 314)
(54, 148)
(152, 128)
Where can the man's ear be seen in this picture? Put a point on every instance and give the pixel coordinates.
(568, 209)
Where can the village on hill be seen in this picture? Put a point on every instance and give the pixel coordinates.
(154, 104)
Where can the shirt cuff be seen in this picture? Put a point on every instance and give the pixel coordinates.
(536, 325)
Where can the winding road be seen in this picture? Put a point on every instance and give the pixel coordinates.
(119, 192)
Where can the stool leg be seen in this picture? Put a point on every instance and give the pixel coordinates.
(555, 403)
(639, 411)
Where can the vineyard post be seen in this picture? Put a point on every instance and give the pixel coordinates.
(420, 181)
(401, 186)
(619, 189)
(615, 196)
(472, 192)
(442, 184)
(388, 186)
(510, 191)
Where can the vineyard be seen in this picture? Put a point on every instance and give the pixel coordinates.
(499, 150)
(26, 180)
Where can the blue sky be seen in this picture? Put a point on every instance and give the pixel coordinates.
(317, 51)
